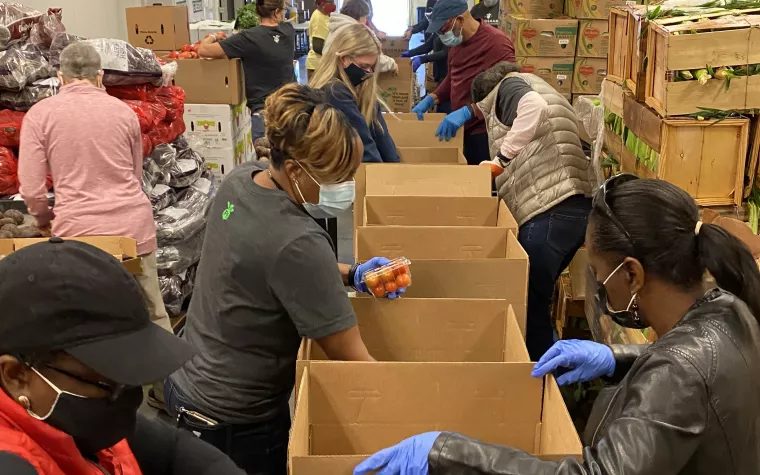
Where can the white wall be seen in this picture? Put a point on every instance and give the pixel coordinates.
(90, 18)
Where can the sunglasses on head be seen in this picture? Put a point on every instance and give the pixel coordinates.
(600, 199)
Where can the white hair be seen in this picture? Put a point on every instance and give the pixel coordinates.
(80, 60)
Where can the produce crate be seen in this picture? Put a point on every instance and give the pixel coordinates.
(618, 55)
(712, 41)
(704, 157)
(635, 69)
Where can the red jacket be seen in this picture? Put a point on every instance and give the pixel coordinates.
(52, 452)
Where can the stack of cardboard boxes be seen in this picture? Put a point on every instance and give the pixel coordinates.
(451, 353)
(566, 45)
(215, 105)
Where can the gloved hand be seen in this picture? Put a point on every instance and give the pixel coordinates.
(587, 359)
(452, 122)
(410, 457)
(370, 265)
(423, 106)
(406, 54)
(416, 63)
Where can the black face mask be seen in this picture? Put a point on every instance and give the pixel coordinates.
(356, 74)
(94, 424)
(629, 317)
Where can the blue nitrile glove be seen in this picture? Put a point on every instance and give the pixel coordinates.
(406, 54)
(587, 360)
(423, 106)
(373, 264)
(416, 63)
(452, 122)
(410, 457)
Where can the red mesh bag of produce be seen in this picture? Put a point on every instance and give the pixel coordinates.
(173, 98)
(10, 127)
(158, 111)
(144, 114)
(139, 92)
(177, 128)
(147, 145)
(8, 172)
(160, 134)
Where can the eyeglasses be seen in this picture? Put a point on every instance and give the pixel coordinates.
(364, 67)
(114, 391)
(600, 199)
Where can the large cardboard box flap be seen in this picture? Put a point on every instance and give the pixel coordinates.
(423, 155)
(215, 81)
(346, 411)
(158, 28)
(431, 242)
(397, 88)
(430, 116)
(437, 211)
(408, 133)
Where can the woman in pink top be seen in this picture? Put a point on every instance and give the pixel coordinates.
(91, 144)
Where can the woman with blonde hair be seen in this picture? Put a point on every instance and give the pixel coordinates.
(347, 76)
(267, 278)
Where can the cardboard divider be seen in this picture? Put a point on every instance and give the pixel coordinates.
(437, 211)
(410, 133)
(355, 409)
(426, 242)
(419, 155)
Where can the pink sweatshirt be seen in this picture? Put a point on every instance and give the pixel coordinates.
(91, 143)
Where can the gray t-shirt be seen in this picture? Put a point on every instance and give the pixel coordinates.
(267, 277)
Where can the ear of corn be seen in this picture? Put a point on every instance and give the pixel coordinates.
(702, 76)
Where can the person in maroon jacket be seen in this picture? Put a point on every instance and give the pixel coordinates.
(473, 48)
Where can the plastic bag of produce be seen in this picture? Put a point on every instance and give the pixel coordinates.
(24, 99)
(175, 258)
(161, 196)
(144, 114)
(169, 70)
(184, 173)
(158, 110)
(47, 27)
(147, 145)
(173, 98)
(137, 92)
(175, 289)
(21, 65)
(154, 174)
(16, 22)
(8, 172)
(60, 41)
(164, 155)
(10, 127)
(177, 128)
(187, 217)
(125, 64)
(161, 133)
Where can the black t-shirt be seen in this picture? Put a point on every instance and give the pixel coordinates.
(267, 53)
(489, 15)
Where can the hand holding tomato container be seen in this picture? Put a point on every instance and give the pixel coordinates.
(389, 279)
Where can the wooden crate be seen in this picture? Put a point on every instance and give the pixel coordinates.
(618, 53)
(705, 158)
(626, 59)
(719, 39)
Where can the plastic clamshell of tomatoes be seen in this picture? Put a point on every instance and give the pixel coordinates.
(389, 278)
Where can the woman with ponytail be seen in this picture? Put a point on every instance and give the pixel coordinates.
(688, 403)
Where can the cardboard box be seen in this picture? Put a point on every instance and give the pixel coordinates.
(197, 10)
(593, 38)
(347, 411)
(397, 90)
(124, 249)
(558, 72)
(217, 124)
(487, 211)
(578, 271)
(415, 133)
(532, 8)
(418, 180)
(542, 37)
(436, 117)
(431, 155)
(202, 29)
(588, 75)
(218, 81)
(158, 28)
(591, 9)
(393, 46)
(221, 161)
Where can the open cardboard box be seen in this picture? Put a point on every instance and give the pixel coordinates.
(123, 249)
(416, 133)
(432, 116)
(347, 411)
(388, 179)
(431, 330)
(422, 155)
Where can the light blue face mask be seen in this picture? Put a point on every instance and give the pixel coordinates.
(333, 199)
(449, 38)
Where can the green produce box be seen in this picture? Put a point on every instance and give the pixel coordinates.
(542, 37)
(558, 72)
(588, 75)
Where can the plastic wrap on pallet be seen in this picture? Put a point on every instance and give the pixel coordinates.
(591, 117)
(125, 64)
(171, 259)
(24, 99)
(187, 216)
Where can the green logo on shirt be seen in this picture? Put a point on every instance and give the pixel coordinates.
(228, 212)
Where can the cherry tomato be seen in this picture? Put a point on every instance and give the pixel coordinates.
(185, 55)
(378, 291)
(391, 286)
(386, 275)
(403, 281)
(401, 269)
(372, 280)
(174, 54)
(187, 48)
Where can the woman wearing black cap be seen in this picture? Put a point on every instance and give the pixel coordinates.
(76, 347)
(688, 404)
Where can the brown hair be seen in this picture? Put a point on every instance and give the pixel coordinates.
(355, 9)
(268, 8)
(302, 126)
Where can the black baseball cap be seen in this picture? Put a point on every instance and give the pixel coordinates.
(443, 11)
(65, 295)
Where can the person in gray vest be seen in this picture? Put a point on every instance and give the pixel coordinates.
(547, 180)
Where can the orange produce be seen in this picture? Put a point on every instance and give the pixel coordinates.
(378, 291)
(386, 275)
(403, 281)
(372, 280)
(391, 286)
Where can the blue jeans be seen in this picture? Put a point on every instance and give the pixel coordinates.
(259, 449)
(551, 239)
(258, 129)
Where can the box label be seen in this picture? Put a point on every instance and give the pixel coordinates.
(555, 71)
(594, 39)
(588, 75)
(535, 8)
(543, 37)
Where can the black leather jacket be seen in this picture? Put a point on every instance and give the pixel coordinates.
(688, 404)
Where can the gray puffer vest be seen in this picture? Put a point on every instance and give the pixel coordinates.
(552, 167)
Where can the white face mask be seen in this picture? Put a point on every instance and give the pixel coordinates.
(333, 199)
